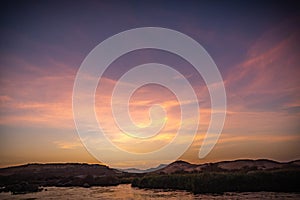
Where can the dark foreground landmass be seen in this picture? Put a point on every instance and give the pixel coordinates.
(30, 177)
(220, 182)
(227, 176)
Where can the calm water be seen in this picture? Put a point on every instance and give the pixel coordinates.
(127, 192)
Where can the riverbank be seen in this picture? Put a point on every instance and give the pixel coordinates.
(220, 182)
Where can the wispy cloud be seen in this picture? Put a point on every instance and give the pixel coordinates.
(68, 145)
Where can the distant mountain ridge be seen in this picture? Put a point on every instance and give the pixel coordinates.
(261, 164)
(135, 170)
(63, 169)
(235, 165)
(29, 177)
(177, 166)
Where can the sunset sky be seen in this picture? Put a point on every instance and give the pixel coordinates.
(255, 45)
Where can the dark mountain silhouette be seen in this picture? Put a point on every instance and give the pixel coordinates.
(26, 178)
(29, 177)
(135, 170)
(236, 165)
(59, 169)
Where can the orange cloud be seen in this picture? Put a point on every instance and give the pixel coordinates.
(37, 97)
(68, 145)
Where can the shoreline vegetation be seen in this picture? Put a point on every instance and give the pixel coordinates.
(220, 182)
(226, 176)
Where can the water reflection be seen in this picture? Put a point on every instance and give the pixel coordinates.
(126, 192)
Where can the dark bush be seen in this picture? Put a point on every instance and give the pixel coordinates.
(213, 182)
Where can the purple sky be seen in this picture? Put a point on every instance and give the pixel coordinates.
(255, 45)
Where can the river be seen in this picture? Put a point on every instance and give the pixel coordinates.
(125, 192)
